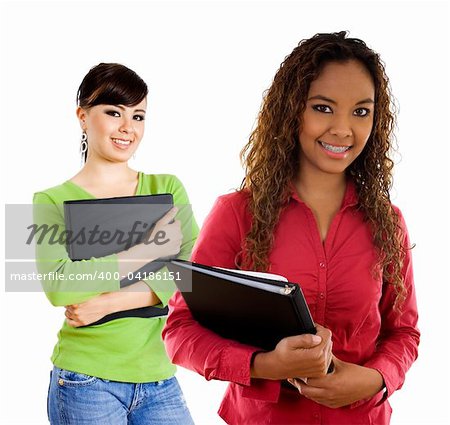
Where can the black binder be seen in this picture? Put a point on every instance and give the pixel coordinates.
(93, 216)
(252, 310)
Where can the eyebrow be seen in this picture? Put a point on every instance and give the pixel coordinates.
(327, 99)
(136, 110)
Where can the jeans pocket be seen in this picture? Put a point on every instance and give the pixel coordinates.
(75, 379)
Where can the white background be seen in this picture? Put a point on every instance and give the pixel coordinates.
(207, 65)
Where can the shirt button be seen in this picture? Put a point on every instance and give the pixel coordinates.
(322, 265)
(321, 295)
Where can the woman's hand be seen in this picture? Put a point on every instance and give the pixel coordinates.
(88, 312)
(166, 237)
(163, 241)
(133, 296)
(347, 384)
(300, 355)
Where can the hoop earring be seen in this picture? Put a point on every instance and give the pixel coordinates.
(83, 144)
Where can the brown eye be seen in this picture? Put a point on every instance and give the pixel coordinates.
(322, 108)
(113, 113)
(362, 112)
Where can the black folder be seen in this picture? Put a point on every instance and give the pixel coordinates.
(119, 216)
(252, 310)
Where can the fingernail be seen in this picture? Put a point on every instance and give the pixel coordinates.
(316, 339)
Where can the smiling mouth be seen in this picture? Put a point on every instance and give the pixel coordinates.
(121, 142)
(333, 148)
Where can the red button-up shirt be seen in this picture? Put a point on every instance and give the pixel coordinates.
(342, 292)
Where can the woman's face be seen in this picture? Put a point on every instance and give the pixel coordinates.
(338, 118)
(114, 131)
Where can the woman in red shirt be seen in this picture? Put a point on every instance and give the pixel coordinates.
(315, 207)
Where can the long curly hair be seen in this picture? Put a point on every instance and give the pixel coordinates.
(271, 156)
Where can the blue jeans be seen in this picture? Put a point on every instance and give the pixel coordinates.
(78, 399)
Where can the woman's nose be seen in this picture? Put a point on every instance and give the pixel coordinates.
(341, 127)
(126, 125)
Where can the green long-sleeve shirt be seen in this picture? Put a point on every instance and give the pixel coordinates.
(126, 349)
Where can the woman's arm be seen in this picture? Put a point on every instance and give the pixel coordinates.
(133, 296)
(68, 282)
(181, 234)
(65, 281)
(192, 346)
(396, 350)
(397, 346)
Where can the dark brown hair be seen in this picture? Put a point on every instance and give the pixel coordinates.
(271, 156)
(110, 84)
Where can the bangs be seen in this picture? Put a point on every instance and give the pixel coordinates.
(111, 84)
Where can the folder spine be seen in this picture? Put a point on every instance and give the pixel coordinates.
(68, 224)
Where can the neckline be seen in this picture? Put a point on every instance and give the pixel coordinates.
(350, 195)
(81, 189)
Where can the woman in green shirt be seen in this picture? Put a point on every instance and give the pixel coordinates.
(115, 372)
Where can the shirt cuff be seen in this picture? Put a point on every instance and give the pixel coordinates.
(391, 377)
(234, 365)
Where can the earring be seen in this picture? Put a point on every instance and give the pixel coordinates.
(83, 144)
